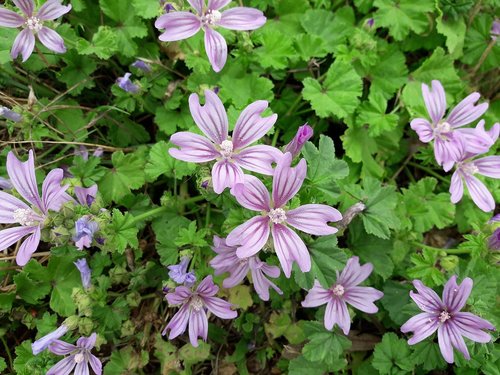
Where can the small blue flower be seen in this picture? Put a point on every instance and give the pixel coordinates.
(85, 272)
(179, 274)
(126, 84)
(84, 232)
(141, 65)
(10, 115)
(43, 342)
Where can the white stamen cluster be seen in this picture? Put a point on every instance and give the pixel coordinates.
(196, 303)
(277, 215)
(211, 17)
(444, 316)
(469, 168)
(24, 216)
(442, 130)
(34, 24)
(338, 290)
(79, 358)
(226, 149)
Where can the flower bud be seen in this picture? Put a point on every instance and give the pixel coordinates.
(449, 262)
(304, 133)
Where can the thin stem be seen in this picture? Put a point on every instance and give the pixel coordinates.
(8, 352)
(158, 210)
(483, 57)
(429, 171)
(275, 137)
(447, 251)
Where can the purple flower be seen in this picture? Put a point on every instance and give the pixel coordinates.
(84, 152)
(370, 22)
(86, 196)
(85, 229)
(345, 291)
(80, 356)
(141, 65)
(193, 310)
(85, 272)
(445, 317)
(31, 219)
(4, 111)
(5, 184)
(304, 133)
(179, 274)
(495, 30)
(274, 219)
(32, 23)
(494, 240)
(231, 154)
(228, 261)
(182, 25)
(126, 84)
(43, 342)
(448, 143)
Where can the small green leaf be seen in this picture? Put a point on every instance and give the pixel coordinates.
(392, 356)
(372, 113)
(103, 44)
(121, 232)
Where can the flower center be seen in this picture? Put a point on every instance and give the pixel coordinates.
(196, 303)
(79, 358)
(469, 168)
(25, 217)
(211, 17)
(442, 130)
(444, 316)
(34, 24)
(226, 149)
(277, 215)
(338, 290)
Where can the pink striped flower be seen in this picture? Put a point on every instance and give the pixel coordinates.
(448, 141)
(444, 316)
(231, 153)
(346, 290)
(32, 24)
(228, 261)
(29, 218)
(194, 306)
(183, 25)
(276, 218)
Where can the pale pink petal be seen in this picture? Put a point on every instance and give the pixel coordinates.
(207, 288)
(210, 118)
(63, 367)
(313, 218)
(336, 313)
(435, 100)
(471, 326)
(456, 187)
(317, 296)
(216, 48)
(52, 9)
(489, 166)
(26, 6)
(444, 341)
(8, 18)
(178, 26)
(193, 148)
(180, 295)
(362, 298)
(22, 176)
(82, 368)
(53, 196)
(426, 299)
(51, 40)
(259, 158)
(28, 247)
(457, 340)
(242, 18)
(287, 180)
(423, 128)
(466, 112)
(217, 4)
(86, 196)
(455, 296)
(422, 325)
(449, 151)
(10, 236)
(178, 323)
(8, 205)
(220, 308)
(289, 248)
(353, 273)
(479, 194)
(23, 44)
(478, 140)
(197, 5)
(251, 126)
(251, 235)
(198, 326)
(260, 282)
(87, 342)
(96, 364)
(238, 273)
(252, 194)
(226, 174)
(61, 347)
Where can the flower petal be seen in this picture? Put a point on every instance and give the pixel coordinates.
(216, 48)
(53, 196)
(251, 126)
(353, 273)
(287, 180)
(26, 6)
(466, 112)
(313, 218)
(422, 325)
(260, 282)
(444, 341)
(220, 308)
(63, 367)
(478, 140)
(28, 247)
(242, 18)
(289, 248)
(259, 158)
(471, 326)
(362, 298)
(96, 364)
(198, 326)
(251, 236)
(336, 313)
(423, 129)
(479, 194)
(10, 236)
(489, 166)
(217, 4)
(178, 323)
(87, 342)
(252, 194)
(207, 288)
(426, 299)
(23, 44)
(455, 296)
(237, 272)
(51, 40)
(52, 9)
(210, 118)
(22, 176)
(226, 174)
(317, 296)
(86, 196)
(193, 148)
(82, 368)
(61, 348)
(456, 187)
(8, 18)
(450, 151)
(178, 26)
(8, 205)
(435, 100)
(179, 295)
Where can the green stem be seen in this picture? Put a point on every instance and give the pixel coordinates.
(158, 210)
(7, 350)
(294, 105)
(429, 171)
(275, 137)
(447, 251)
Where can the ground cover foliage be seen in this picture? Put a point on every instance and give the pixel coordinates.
(353, 71)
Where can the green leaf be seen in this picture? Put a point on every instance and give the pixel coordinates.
(401, 16)
(308, 46)
(103, 45)
(3, 364)
(166, 228)
(77, 72)
(301, 366)
(126, 361)
(191, 355)
(32, 283)
(454, 31)
(424, 209)
(426, 269)
(477, 40)
(392, 356)
(390, 73)
(427, 354)
(241, 88)
(396, 297)
(25, 363)
(325, 347)
(64, 277)
(127, 174)
(339, 92)
(372, 114)
(191, 236)
(160, 162)
(121, 232)
(146, 9)
(275, 51)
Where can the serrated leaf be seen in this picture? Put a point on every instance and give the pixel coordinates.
(160, 162)
(121, 232)
(392, 356)
(103, 44)
(454, 31)
(372, 113)
(427, 354)
(325, 347)
(275, 51)
(390, 73)
(426, 269)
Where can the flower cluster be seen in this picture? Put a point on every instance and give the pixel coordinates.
(459, 146)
